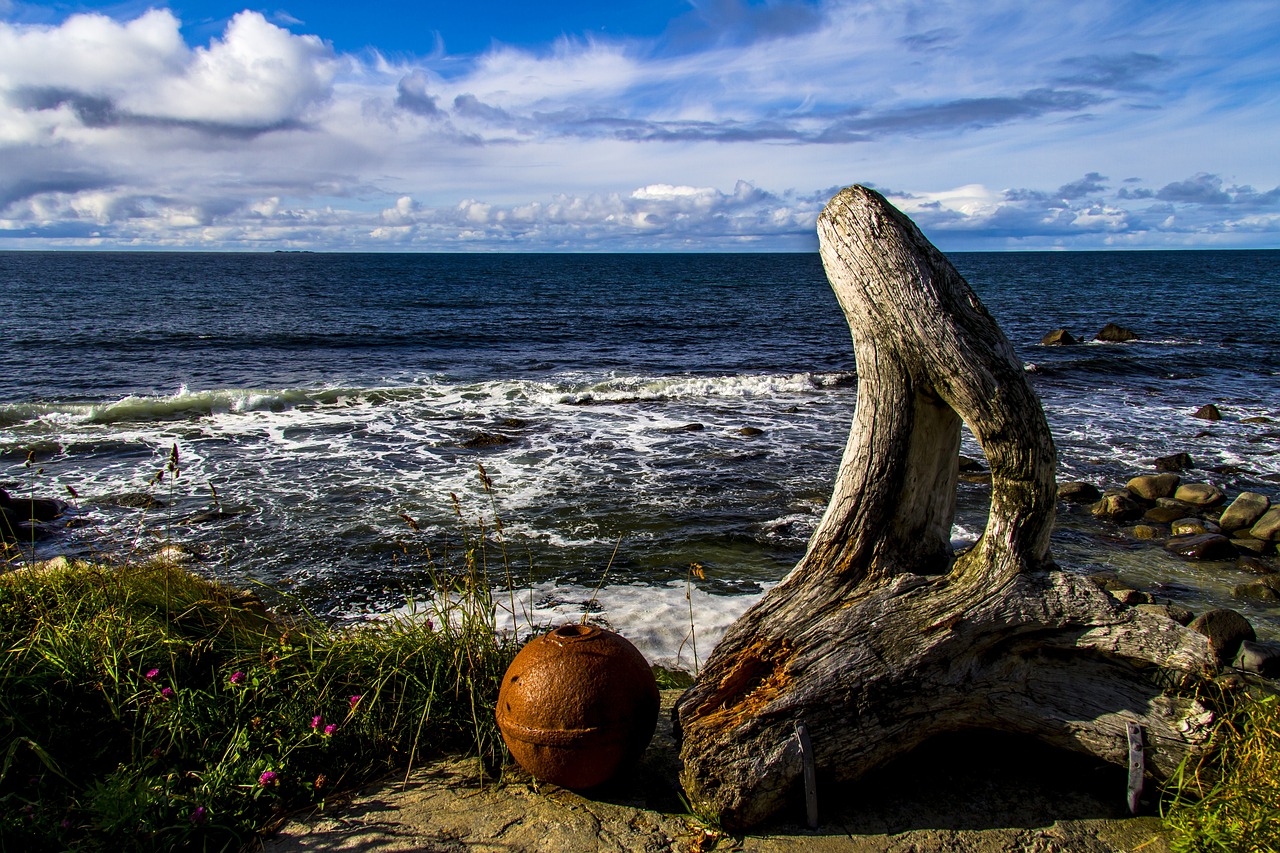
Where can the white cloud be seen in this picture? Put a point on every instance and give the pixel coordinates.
(995, 122)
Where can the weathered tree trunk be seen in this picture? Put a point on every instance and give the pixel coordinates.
(880, 638)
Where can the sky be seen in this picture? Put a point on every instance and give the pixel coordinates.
(662, 125)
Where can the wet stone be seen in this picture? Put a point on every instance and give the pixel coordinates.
(1244, 511)
(1079, 493)
(1193, 526)
(1151, 487)
(1208, 412)
(1200, 494)
(1262, 658)
(1117, 506)
(1164, 514)
(1150, 531)
(1266, 590)
(1174, 462)
(1267, 528)
(1226, 630)
(1203, 546)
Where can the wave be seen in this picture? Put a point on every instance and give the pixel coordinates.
(570, 390)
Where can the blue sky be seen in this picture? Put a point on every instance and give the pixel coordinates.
(670, 125)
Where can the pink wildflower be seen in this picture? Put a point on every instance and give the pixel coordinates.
(237, 677)
(316, 721)
(330, 729)
(151, 674)
(355, 700)
(267, 778)
(167, 693)
(199, 816)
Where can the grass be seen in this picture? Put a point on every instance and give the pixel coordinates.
(1229, 801)
(144, 708)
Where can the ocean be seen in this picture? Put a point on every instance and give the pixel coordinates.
(335, 416)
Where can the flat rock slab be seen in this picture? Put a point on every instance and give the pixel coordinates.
(957, 794)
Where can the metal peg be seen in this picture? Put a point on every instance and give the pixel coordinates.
(810, 775)
(1137, 765)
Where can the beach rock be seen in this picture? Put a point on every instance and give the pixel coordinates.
(1150, 487)
(750, 432)
(1244, 511)
(1267, 589)
(1059, 338)
(1131, 597)
(1257, 565)
(1244, 542)
(1117, 506)
(1208, 412)
(1267, 528)
(32, 509)
(1164, 514)
(1204, 546)
(1193, 526)
(487, 439)
(1200, 494)
(1173, 612)
(135, 500)
(1150, 531)
(1257, 419)
(1262, 658)
(970, 465)
(1116, 334)
(1079, 493)
(1174, 462)
(1226, 630)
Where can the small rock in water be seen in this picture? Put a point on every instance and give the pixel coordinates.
(1059, 338)
(1262, 658)
(1151, 487)
(689, 428)
(1257, 419)
(1202, 546)
(1078, 493)
(486, 439)
(1117, 506)
(1174, 462)
(1226, 630)
(1267, 528)
(1200, 494)
(1116, 334)
(1164, 514)
(1267, 589)
(135, 500)
(1193, 527)
(1150, 531)
(1208, 412)
(750, 432)
(1254, 564)
(1244, 511)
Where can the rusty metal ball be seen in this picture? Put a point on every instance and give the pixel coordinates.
(576, 705)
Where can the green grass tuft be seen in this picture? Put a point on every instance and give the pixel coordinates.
(1229, 802)
(144, 708)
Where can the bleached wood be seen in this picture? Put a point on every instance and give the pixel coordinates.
(880, 638)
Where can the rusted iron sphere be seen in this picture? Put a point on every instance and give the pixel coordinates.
(577, 705)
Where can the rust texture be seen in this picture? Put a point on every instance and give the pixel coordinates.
(577, 705)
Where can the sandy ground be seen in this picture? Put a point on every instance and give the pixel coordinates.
(976, 793)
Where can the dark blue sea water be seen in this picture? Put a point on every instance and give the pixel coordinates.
(323, 397)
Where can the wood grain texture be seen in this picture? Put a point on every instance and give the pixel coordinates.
(880, 637)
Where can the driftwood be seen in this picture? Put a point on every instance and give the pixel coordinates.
(881, 637)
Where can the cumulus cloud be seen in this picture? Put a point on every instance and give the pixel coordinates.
(997, 124)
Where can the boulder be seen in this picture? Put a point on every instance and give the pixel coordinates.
(32, 509)
(1267, 528)
(970, 465)
(1226, 630)
(750, 432)
(1202, 546)
(1116, 334)
(487, 439)
(1262, 658)
(1200, 494)
(693, 427)
(135, 500)
(1244, 511)
(1164, 514)
(1256, 419)
(1059, 338)
(1208, 412)
(1174, 462)
(1150, 487)
(1244, 542)
(1257, 565)
(1117, 506)
(1193, 526)
(1175, 612)
(1079, 493)
(1267, 589)
(1150, 531)
(1131, 597)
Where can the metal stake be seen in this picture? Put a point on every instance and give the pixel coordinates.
(1137, 765)
(810, 775)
